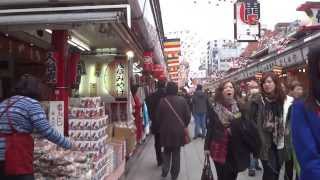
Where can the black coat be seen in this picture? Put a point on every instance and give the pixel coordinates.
(243, 141)
(152, 102)
(170, 128)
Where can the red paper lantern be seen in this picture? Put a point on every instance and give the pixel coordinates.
(162, 77)
(157, 70)
(148, 66)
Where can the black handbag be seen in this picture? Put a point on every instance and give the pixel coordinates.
(207, 172)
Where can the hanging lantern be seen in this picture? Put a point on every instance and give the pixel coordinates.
(258, 76)
(157, 70)
(162, 77)
(277, 70)
(147, 66)
(148, 63)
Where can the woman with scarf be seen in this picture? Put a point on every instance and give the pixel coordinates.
(305, 124)
(267, 111)
(226, 141)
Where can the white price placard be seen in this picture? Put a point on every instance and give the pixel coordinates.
(56, 115)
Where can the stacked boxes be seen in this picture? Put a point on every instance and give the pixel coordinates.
(88, 126)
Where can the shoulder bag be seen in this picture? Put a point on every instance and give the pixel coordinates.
(187, 138)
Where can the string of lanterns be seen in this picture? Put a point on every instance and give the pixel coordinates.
(216, 2)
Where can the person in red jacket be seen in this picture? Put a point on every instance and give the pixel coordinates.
(137, 112)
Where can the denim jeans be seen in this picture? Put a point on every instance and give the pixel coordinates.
(253, 163)
(200, 124)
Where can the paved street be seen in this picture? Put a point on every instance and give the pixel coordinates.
(144, 166)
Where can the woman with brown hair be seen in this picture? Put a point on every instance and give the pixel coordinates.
(267, 111)
(305, 119)
(230, 138)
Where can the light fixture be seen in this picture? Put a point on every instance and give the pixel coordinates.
(130, 54)
(75, 42)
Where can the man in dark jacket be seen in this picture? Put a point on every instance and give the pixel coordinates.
(200, 104)
(152, 103)
(173, 116)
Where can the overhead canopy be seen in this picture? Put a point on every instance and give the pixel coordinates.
(97, 26)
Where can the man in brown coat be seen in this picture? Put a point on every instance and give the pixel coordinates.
(173, 115)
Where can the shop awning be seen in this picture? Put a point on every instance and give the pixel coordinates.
(98, 26)
(74, 15)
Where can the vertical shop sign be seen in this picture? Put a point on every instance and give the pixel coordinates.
(56, 115)
(51, 69)
(81, 70)
(246, 18)
(120, 80)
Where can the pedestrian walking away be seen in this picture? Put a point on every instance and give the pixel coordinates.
(200, 104)
(173, 116)
(152, 103)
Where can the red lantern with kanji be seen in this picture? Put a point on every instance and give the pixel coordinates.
(148, 66)
(148, 63)
(162, 77)
(157, 70)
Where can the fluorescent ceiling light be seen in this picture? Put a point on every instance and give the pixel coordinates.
(75, 42)
(80, 43)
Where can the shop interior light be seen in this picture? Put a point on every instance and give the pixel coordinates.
(130, 54)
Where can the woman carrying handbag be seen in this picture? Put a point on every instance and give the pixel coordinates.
(207, 172)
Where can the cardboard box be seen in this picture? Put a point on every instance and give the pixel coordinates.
(129, 136)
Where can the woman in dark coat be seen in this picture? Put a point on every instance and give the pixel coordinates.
(171, 111)
(230, 137)
(268, 113)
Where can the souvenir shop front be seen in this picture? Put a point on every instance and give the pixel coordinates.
(88, 68)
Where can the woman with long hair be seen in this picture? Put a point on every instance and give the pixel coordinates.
(306, 123)
(228, 144)
(267, 111)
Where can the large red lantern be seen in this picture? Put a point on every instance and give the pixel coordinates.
(148, 63)
(157, 70)
(148, 66)
(162, 77)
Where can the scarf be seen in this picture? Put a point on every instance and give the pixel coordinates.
(225, 115)
(273, 121)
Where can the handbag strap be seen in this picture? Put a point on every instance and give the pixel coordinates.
(174, 111)
(7, 111)
(207, 161)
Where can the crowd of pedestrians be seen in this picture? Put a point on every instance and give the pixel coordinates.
(272, 123)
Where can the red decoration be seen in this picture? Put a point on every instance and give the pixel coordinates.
(148, 66)
(157, 70)
(162, 77)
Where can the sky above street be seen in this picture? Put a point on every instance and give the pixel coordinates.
(216, 22)
(213, 19)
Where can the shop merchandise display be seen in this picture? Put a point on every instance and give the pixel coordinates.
(99, 157)
(51, 162)
(88, 128)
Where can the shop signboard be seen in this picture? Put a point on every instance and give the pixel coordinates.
(56, 115)
(246, 21)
